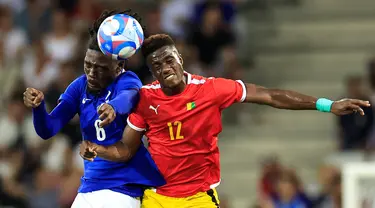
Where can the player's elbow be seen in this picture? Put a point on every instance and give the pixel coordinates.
(273, 98)
(45, 130)
(122, 159)
(125, 156)
(45, 135)
(118, 158)
(277, 103)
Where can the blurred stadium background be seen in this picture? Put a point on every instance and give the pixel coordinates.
(321, 47)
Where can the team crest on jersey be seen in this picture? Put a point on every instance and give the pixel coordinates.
(190, 106)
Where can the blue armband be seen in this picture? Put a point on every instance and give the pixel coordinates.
(324, 105)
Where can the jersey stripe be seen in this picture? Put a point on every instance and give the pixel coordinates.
(189, 81)
(215, 184)
(134, 126)
(243, 90)
(157, 86)
(198, 81)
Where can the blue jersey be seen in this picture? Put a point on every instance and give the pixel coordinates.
(125, 177)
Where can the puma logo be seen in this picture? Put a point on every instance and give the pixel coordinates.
(154, 109)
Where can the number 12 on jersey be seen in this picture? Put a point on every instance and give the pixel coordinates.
(175, 125)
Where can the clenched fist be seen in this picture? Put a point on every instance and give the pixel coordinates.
(32, 98)
(87, 150)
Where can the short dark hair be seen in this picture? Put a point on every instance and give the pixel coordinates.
(93, 30)
(154, 42)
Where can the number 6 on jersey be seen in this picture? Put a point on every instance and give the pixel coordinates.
(178, 126)
(100, 132)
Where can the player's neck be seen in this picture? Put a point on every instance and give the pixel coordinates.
(94, 92)
(177, 89)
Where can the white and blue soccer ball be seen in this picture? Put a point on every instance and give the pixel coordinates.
(120, 36)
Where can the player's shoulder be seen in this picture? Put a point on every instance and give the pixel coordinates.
(212, 83)
(129, 75)
(200, 82)
(79, 83)
(198, 79)
(213, 80)
(192, 79)
(148, 90)
(81, 79)
(130, 79)
(75, 90)
(155, 85)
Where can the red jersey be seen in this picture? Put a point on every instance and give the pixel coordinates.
(183, 129)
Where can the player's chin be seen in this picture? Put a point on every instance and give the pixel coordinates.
(171, 83)
(93, 88)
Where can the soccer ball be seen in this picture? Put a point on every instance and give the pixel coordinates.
(120, 36)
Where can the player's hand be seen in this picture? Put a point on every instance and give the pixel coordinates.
(348, 106)
(107, 114)
(32, 98)
(87, 150)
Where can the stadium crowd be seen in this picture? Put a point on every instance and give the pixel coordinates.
(42, 45)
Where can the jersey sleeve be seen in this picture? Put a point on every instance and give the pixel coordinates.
(72, 93)
(127, 89)
(228, 91)
(136, 119)
(128, 81)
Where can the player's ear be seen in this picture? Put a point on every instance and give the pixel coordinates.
(152, 73)
(122, 64)
(181, 59)
(118, 66)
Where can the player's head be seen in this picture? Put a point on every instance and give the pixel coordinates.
(164, 60)
(101, 69)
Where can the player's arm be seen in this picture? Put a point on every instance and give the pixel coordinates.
(121, 151)
(230, 91)
(126, 98)
(125, 101)
(47, 124)
(291, 100)
(283, 99)
(127, 94)
(122, 104)
(126, 148)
